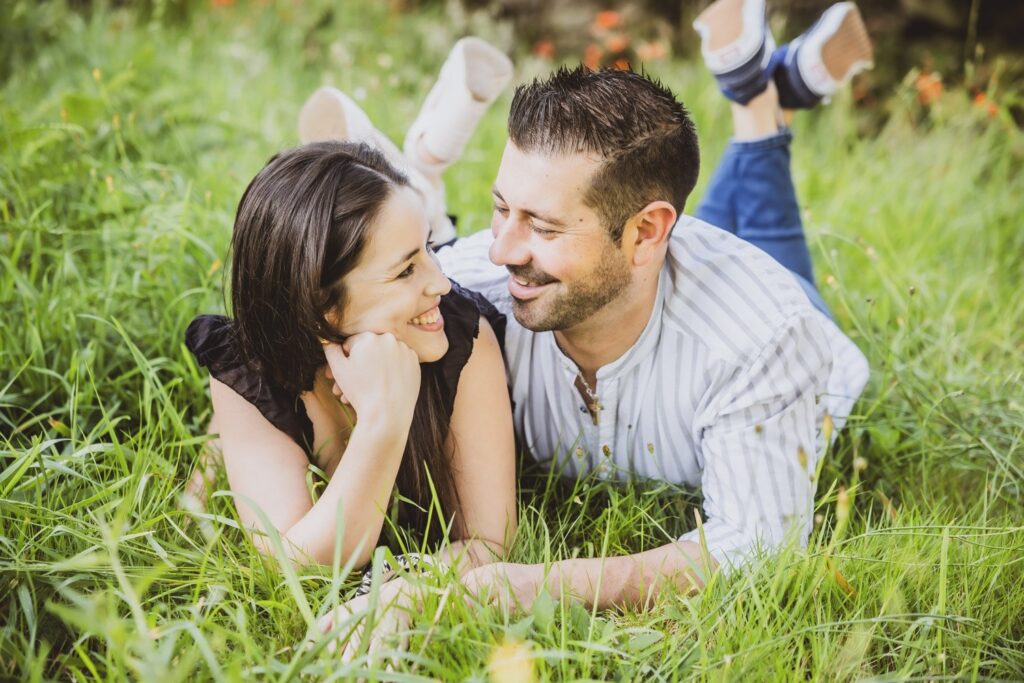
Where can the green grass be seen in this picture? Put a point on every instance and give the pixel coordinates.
(117, 190)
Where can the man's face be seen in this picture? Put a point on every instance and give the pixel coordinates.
(563, 265)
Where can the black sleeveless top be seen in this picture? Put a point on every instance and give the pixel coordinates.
(211, 339)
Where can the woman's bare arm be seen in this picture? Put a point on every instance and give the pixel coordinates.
(266, 467)
(483, 455)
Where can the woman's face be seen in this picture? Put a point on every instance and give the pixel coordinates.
(397, 284)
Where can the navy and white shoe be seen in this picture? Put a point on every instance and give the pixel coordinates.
(737, 47)
(818, 63)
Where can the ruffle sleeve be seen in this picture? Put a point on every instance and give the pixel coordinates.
(211, 339)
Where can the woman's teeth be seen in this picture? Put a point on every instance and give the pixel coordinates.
(428, 318)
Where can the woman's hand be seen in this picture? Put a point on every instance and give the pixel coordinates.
(395, 601)
(377, 374)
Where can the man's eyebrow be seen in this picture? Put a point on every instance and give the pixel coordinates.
(406, 257)
(534, 214)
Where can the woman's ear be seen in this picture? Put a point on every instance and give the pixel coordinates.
(648, 231)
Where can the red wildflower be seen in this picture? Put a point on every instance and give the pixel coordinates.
(982, 101)
(649, 52)
(608, 19)
(544, 49)
(617, 43)
(929, 87)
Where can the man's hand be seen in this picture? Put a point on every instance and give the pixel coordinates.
(514, 586)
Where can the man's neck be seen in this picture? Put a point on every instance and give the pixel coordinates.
(609, 333)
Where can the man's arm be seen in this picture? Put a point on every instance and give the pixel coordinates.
(628, 580)
(758, 482)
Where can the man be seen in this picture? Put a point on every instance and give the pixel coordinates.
(647, 343)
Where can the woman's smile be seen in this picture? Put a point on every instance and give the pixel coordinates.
(429, 321)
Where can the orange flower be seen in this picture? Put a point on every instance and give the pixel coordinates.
(981, 101)
(622, 64)
(222, 3)
(617, 43)
(929, 87)
(592, 56)
(544, 49)
(608, 19)
(648, 52)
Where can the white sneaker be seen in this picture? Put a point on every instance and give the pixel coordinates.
(835, 49)
(472, 77)
(731, 31)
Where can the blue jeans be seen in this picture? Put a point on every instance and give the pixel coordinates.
(752, 196)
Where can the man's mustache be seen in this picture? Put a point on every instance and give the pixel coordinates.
(537, 277)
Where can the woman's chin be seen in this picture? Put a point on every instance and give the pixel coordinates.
(431, 350)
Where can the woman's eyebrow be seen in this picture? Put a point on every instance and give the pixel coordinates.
(407, 257)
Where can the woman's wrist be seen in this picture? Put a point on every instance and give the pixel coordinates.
(383, 429)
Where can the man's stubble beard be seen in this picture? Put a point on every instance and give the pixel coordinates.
(576, 303)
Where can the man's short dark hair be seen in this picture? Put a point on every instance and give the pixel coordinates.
(643, 133)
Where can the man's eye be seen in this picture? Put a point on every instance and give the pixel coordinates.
(408, 271)
(541, 231)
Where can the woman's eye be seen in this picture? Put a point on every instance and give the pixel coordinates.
(501, 209)
(408, 271)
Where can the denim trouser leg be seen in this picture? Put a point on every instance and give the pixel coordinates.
(752, 196)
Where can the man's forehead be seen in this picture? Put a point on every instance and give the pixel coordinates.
(549, 181)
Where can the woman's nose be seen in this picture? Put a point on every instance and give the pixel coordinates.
(438, 284)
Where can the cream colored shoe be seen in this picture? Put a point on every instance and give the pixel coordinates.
(472, 77)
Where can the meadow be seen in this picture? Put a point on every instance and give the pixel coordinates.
(126, 138)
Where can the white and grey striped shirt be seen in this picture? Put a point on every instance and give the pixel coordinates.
(725, 389)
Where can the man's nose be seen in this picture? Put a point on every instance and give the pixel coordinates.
(509, 247)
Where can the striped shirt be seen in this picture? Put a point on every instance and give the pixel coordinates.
(726, 387)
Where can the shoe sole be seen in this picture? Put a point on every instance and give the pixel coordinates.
(849, 48)
(322, 118)
(732, 32)
(724, 23)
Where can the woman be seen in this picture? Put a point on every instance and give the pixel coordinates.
(335, 291)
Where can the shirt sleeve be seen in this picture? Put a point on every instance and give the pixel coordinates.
(757, 442)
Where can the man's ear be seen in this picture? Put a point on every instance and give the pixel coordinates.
(649, 230)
